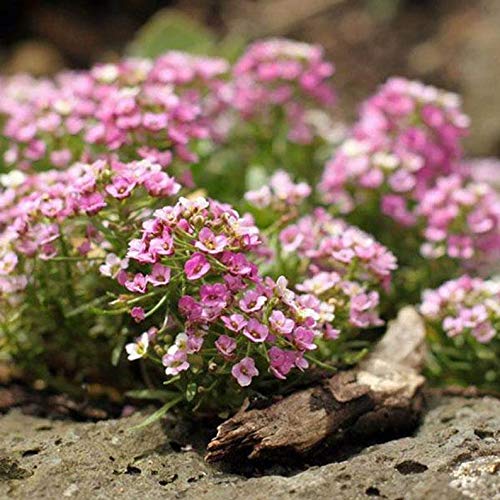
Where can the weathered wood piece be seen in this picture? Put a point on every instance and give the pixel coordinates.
(381, 395)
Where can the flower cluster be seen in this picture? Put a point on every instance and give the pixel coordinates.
(464, 306)
(34, 210)
(152, 109)
(285, 75)
(406, 136)
(56, 227)
(280, 195)
(157, 109)
(400, 174)
(342, 262)
(330, 244)
(461, 220)
(231, 318)
(408, 118)
(463, 317)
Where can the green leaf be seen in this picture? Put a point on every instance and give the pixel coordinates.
(107, 312)
(84, 307)
(353, 358)
(169, 29)
(149, 394)
(160, 413)
(172, 380)
(117, 351)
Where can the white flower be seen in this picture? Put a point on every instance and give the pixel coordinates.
(106, 73)
(113, 265)
(63, 107)
(13, 179)
(138, 349)
(196, 204)
(181, 341)
(353, 147)
(386, 160)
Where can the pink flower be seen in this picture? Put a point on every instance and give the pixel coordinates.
(280, 323)
(484, 332)
(363, 310)
(396, 207)
(237, 263)
(196, 267)
(453, 326)
(7, 263)
(460, 247)
(161, 184)
(161, 246)
(331, 333)
(195, 341)
(281, 362)
(235, 322)
(208, 242)
(137, 313)
(137, 284)
(225, 345)
(320, 283)
(138, 250)
(234, 283)
(259, 198)
(121, 187)
(303, 339)
(252, 301)
(256, 331)
(160, 275)
(402, 181)
(281, 194)
(175, 360)
(155, 121)
(216, 295)
(244, 371)
(92, 203)
(291, 238)
(190, 308)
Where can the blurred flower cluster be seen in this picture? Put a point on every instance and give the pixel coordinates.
(283, 75)
(401, 174)
(464, 328)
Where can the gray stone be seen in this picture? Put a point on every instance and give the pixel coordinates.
(454, 454)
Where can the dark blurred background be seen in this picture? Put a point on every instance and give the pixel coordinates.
(451, 43)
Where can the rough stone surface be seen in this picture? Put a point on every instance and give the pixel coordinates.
(455, 454)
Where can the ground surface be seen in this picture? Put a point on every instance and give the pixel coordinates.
(454, 454)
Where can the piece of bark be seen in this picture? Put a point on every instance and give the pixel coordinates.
(381, 395)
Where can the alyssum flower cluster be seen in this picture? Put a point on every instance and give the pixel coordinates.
(224, 315)
(401, 174)
(464, 320)
(170, 210)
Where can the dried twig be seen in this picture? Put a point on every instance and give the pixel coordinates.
(381, 395)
